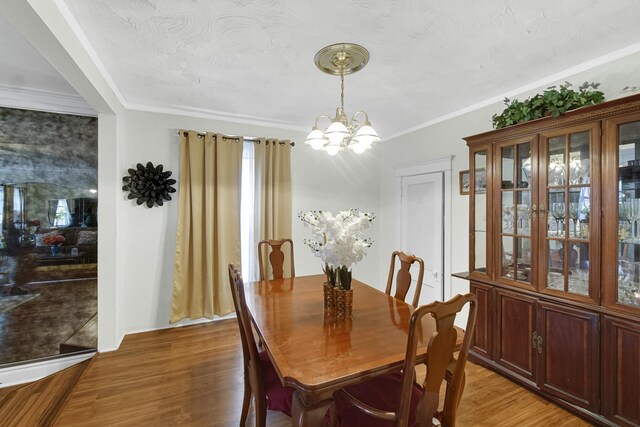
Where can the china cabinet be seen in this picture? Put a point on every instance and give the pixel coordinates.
(554, 257)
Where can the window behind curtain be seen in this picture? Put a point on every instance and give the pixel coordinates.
(247, 216)
(18, 205)
(63, 216)
(1, 208)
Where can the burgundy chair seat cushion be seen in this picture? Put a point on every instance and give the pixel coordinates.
(279, 397)
(381, 393)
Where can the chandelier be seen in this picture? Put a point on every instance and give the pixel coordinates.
(339, 60)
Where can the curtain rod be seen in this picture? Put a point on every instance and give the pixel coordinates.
(236, 138)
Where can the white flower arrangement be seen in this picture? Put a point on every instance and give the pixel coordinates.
(337, 241)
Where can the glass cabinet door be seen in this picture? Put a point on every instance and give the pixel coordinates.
(627, 291)
(564, 212)
(514, 198)
(480, 199)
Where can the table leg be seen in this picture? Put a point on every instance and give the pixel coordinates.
(308, 410)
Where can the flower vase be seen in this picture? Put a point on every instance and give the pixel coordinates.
(329, 296)
(344, 303)
(55, 250)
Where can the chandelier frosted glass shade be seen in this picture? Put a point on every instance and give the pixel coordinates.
(342, 133)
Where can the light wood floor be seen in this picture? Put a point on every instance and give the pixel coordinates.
(192, 376)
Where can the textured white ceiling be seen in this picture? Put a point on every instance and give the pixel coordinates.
(22, 66)
(254, 59)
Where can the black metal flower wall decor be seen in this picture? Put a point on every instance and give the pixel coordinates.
(149, 184)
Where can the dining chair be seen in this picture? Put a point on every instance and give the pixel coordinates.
(403, 277)
(276, 258)
(260, 377)
(396, 399)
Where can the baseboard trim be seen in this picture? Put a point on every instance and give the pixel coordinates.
(185, 322)
(20, 374)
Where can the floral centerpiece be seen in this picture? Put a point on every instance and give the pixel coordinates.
(337, 240)
(54, 240)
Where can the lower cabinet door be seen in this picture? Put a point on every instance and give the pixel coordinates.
(621, 366)
(569, 354)
(514, 327)
(481, 343)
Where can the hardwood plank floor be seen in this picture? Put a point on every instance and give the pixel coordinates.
(40, 402)
(192, 376)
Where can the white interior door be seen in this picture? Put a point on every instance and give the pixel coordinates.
(422, 230)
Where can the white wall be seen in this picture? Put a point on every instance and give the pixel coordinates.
(147, 236)
(322, 182)
(441, 139)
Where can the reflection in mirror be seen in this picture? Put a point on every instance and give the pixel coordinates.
(81, 212)
(49, 235)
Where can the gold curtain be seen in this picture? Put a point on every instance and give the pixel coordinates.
(208, 232)
(272, 172)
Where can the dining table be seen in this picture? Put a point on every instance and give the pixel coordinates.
(315, 352)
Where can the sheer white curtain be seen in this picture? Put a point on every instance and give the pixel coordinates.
(2, 225)
(18, 205)
(266, 200)
(63, 216)
(249, 225)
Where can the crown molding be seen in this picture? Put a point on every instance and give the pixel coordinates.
(35, 99)
(562, 75)
(215, 115)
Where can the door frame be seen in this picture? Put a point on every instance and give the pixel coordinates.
(434, 165)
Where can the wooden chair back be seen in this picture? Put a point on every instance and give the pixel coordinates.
(455, 376)
(403, 277)
(253, 375)
(440, 357)
(440, 361)
(276, 258)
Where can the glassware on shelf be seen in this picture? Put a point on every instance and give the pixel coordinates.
(579, 281)
(507, 219)
(585, 212)
(524, 219)
(629, 283)
(557, 212)
(578, 267)
(508, 262)
(632, 214)
(555, 280)
(574, 210)
(625, 231)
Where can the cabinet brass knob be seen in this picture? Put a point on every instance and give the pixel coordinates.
(542, 211)
(534, 212)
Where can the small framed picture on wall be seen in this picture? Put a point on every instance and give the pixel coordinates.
(465, 182)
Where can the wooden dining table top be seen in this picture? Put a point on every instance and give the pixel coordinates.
(313, 351)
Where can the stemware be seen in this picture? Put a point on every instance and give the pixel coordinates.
(634, 213)
(624, 215)
(524, 212)
(628, 286)
(507, 219)
(573, 214)
(557, 212)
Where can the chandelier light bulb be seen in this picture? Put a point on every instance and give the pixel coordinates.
(317, 144)
(366, 135)
(336, 132)
(332, 150)
(316, 139)
(358, 147)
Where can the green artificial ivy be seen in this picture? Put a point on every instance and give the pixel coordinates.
(552, 102)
